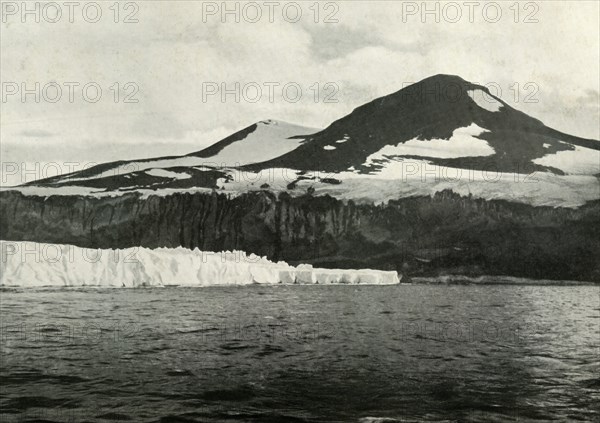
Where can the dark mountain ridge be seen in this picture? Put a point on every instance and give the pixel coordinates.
(432, 108)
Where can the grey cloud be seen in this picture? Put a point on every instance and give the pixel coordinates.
(36, 133)
(591, 98)
(334, 41)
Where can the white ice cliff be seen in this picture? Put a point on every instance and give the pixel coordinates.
(31, 264)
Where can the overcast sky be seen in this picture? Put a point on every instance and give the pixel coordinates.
(176, 50)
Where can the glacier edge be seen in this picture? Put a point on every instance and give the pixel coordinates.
(32, 264)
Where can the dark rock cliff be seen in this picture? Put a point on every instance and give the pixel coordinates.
(419, 236)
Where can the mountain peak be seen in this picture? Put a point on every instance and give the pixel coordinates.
(441, 89)
(441, 107)
(446, 78)
(283, 124)
(270, 122)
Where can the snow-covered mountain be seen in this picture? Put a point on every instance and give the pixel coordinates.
(441, 133)
(260, 142)
(431, 117)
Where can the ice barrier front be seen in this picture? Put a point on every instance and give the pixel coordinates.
(38, 264)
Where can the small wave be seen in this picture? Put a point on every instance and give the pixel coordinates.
(26, 402)
(269, 350)
(234, 347)
(179, 373)
(234, 394)
(114, 417)
(28, 377)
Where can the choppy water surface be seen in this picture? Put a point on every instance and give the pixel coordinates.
(301, 354)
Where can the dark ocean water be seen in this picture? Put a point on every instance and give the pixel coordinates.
(301, 354)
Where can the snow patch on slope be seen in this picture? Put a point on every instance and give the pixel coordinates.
(162, 173)
(400, 178)
(66, 265)
(270, 140)
(462, 143)
(484, 100)
(74, 190)
(131, 167)
(407, 177)
(579, 161)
